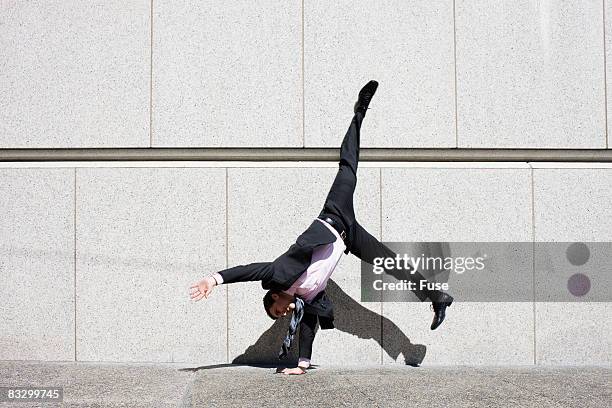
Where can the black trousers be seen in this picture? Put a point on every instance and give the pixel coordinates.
(339, 204)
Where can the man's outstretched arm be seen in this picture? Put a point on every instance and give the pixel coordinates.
(242, 273)
(245, 273)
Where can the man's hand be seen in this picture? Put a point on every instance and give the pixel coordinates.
(293, 371)
(203, 288)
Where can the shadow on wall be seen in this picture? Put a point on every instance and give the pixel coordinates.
(350, 317)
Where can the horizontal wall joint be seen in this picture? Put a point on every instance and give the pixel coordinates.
(306, 154)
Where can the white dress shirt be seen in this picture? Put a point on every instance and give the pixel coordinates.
(322, 264)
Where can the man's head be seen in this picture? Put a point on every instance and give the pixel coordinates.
(278, 303)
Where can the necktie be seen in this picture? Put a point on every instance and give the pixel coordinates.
(296, 317)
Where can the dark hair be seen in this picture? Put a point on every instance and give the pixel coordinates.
(268, 302)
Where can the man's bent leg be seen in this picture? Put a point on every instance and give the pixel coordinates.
(366, 247)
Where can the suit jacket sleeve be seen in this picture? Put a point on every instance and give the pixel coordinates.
(259, 271)
(308, 327)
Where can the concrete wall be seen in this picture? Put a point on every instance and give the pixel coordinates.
(96, 258)
(159, 73)
(96, 261)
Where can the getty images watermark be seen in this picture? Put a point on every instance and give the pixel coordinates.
(491, 271)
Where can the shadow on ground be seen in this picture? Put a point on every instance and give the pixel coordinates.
(350, 317)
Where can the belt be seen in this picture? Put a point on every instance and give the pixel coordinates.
(335, 225)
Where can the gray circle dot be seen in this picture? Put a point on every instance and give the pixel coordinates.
(579, 284)
(578, 253)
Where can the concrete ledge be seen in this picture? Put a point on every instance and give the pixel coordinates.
(307, 154)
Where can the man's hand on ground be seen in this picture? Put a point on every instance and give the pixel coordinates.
(203, 288)
(293, 371)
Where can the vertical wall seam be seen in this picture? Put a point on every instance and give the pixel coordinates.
(303, 87)
(382, 303)
(151, 77)
(455, 65)
(533, 261)
(227, 353)
(605, 75)
(75, 261)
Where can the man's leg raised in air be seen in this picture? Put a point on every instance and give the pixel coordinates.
(366, 247)
(339, 200)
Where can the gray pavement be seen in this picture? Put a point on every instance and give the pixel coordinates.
(184, 385)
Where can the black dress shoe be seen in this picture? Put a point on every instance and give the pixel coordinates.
(439, 307)
(365, 96)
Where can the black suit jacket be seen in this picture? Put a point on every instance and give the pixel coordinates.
(281, 273)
